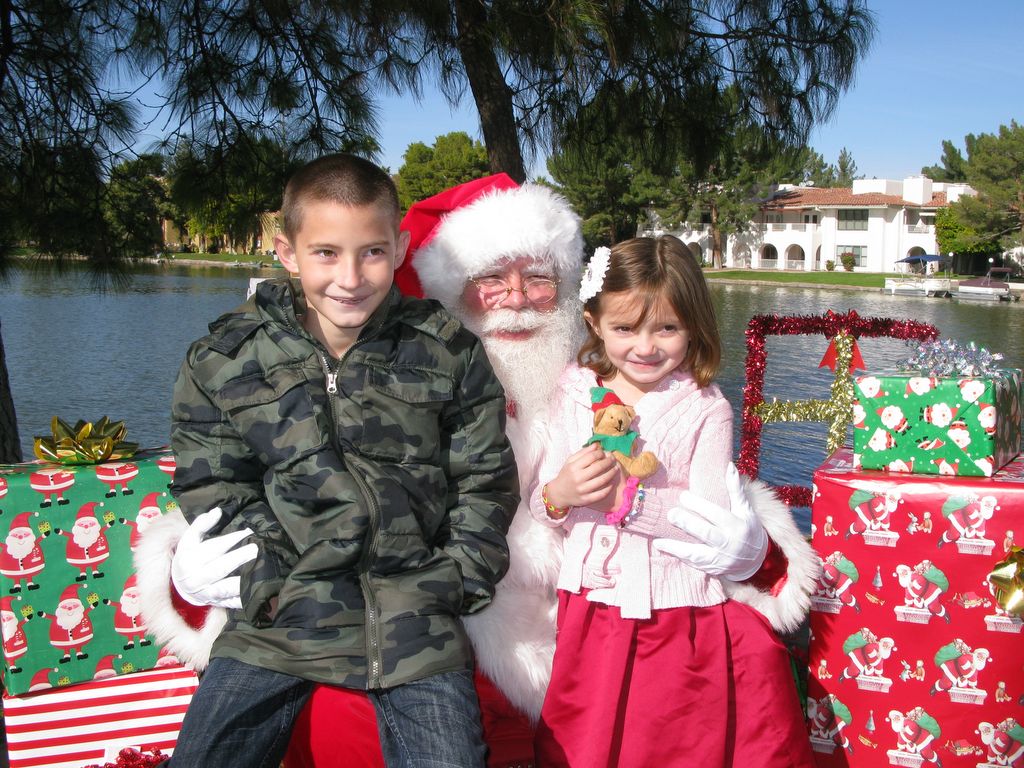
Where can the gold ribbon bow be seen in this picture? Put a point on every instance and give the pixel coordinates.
(85, 443)
(1007, 580)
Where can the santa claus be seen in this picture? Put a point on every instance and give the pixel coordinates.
(116, 475)
(959, 665)
(491, 228)
(87, 544)
(923, 585)
(967, 517)
(70, 625)
(15, 642)
(867, 654)
(21, 557)
(873, 511)
(51, 483)
(838, 574)
(149, 513)
(128, 621)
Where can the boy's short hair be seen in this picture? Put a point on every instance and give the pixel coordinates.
(340, 178)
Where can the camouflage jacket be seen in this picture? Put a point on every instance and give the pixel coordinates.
(379, 486)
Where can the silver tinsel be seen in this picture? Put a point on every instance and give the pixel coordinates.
(948, 357)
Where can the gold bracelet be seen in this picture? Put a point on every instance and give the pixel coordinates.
(552, 510)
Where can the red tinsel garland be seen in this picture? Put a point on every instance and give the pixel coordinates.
(829, 324)
(132, 758)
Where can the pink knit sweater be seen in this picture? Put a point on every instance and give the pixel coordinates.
(689, 429)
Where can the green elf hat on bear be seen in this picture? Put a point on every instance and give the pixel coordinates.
(602, 397)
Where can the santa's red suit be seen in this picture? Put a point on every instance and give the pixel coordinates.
(834, 583)
(873, 514)
(914, 738)
(21, 557)
(117, 475)
(961, 671)
(87, 545)
(73, 638)
(968, 521)
(128, 620)
(1003, 749)
(920, 592)
(15, 642)
(866, 660)
(456, 235)
(51, 483)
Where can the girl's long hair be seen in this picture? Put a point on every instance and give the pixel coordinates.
(654, 269)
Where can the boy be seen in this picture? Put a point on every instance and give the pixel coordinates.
(360, 435)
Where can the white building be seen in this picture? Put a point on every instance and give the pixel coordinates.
(801, 228)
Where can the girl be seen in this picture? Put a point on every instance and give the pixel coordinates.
(654, 664)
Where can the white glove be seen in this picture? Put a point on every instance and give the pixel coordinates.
(732, 542)
(200, 568)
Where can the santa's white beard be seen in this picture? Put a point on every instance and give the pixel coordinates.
(528, 368)
(70, 618)
(19, 547)
(130, 605)
(84, 537)
(10, 625)
(143, 521)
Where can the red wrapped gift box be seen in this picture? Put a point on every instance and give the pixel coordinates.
(90, 723)
(912, 660)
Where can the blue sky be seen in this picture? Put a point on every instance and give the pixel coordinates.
(937, 70)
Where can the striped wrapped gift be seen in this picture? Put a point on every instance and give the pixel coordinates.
(90, 723)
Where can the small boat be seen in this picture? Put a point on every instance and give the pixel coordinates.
(918, 286)
(994, 286)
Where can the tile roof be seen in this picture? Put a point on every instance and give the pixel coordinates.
(809, 197)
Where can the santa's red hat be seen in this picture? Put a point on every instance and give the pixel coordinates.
(166, 658)
(41, 679)
(20, 521)
(105, 667)
(131, 582)
(5, 604)
(150, 502)
(474, 227)
(88, 510)
(70, 592)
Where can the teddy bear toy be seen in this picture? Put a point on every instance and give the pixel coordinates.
(612, 418)
(611, 429)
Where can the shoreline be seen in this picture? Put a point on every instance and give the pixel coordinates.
(272, 265)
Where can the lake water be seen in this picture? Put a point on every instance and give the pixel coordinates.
(78, 353)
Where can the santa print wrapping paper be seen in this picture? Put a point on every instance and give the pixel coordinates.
(912, 661)
(936, 425)
(89, 724)
(69, 605)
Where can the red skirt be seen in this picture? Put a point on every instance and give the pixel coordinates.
(701, 687)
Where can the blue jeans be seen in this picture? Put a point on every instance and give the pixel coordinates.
(431, 723)
(242, 717)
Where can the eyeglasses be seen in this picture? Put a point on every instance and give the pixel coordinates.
(494, 290)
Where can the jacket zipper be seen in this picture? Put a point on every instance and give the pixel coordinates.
(373, 652)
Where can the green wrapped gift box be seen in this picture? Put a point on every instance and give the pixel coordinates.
(937, 425)
(68, 599)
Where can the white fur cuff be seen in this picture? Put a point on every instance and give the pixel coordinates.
(153, 567)
(786, 610)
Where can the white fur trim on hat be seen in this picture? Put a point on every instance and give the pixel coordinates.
(786, 610)
(153, 565)
(531, 220)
